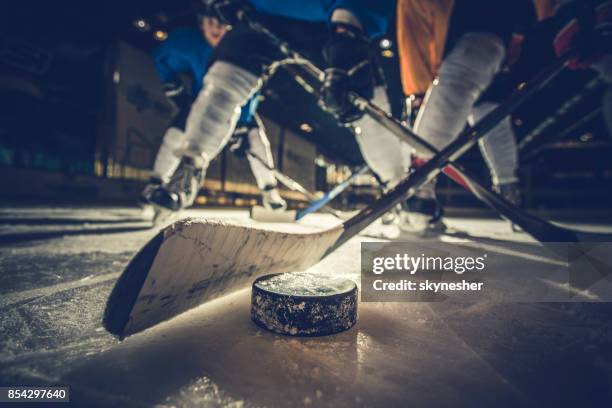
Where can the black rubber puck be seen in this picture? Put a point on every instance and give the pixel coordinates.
(304, 304)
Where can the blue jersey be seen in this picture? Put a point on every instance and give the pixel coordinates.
(373, 14)
(187, 51)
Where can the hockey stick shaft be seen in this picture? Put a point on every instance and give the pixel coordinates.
(285, 180)
(321, 203)
(331, 194)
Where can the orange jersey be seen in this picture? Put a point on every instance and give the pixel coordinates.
(422, 29)
(546, 8)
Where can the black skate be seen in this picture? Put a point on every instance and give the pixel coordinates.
(422, 217)
(512, 193)
(181, 191)
(145, 196)
(272, 200)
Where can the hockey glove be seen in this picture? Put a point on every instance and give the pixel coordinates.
(584, 30)
(349, 69)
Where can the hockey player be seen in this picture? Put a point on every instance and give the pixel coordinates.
(584, 28)
(190, 50)
(453, 50)
(340, 28)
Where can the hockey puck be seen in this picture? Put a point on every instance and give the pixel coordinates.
(304, 304)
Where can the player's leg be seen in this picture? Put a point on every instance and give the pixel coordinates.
(500, 152)
(166, 162)
(385, 154)
(259, 146)
(227, 85)
(210, 124)
(464, 74)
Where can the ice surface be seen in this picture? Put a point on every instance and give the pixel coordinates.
(399, 354)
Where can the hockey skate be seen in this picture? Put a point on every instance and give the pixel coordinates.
(274, 208)
(512, 193)
(391, 216)
(272, 200)
(145, 196)
(421, 216)
(144, 200)
(180, 191)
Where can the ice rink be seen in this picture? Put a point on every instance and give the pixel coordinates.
(58, 265)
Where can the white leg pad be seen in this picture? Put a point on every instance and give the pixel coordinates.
(216, 110)
(260, 147)
(464, 75)
(384, 153)
(498, 147)
(166, 160)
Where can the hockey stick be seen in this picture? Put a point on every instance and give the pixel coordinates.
(553, 119)
(287, 181)
(316, 203)
(540, 229)
(331, 194)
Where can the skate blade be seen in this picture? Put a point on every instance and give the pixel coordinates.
(421, 227)
(262, 214)
(147, 212)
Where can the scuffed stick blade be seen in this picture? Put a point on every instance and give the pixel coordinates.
(196, 260)
(262, 214)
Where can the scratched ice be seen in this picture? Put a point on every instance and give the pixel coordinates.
(57, 266)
